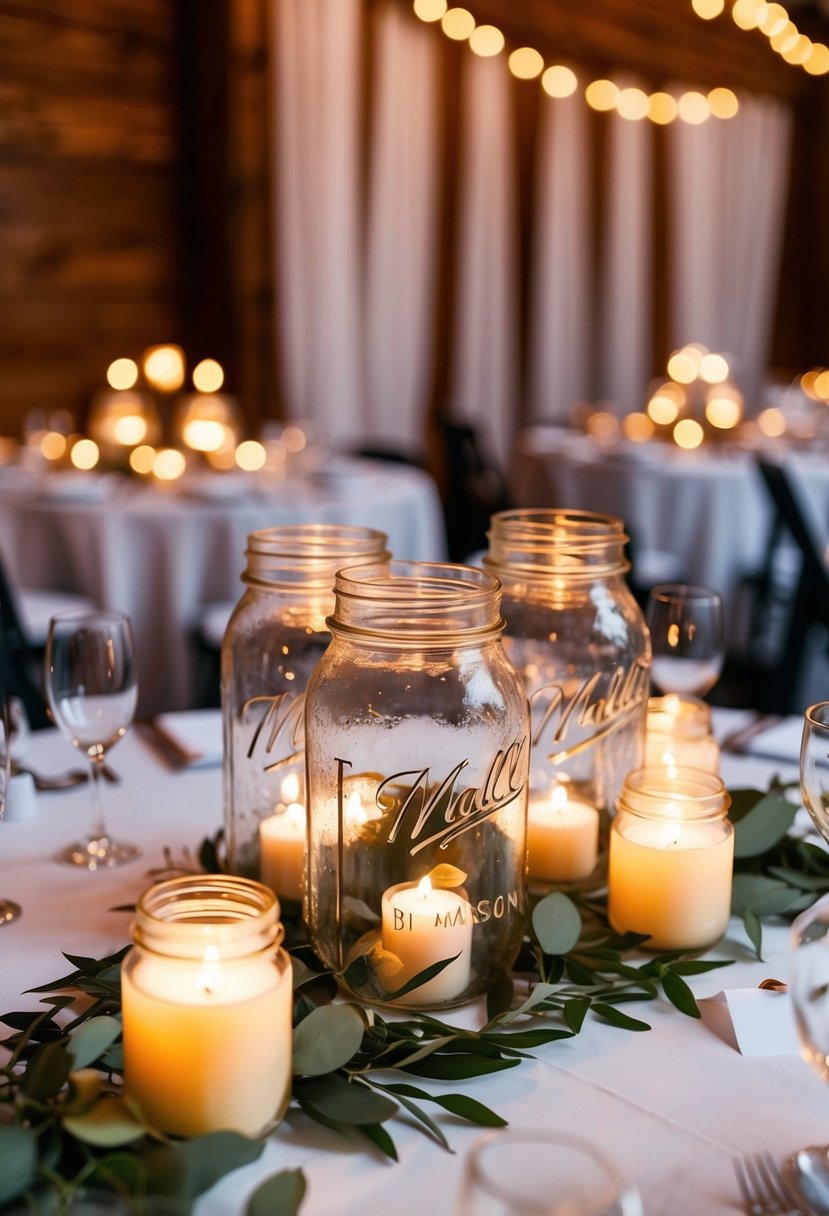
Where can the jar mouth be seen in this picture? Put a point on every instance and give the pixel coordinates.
(680, 793)
(422, 603)
(678, 712)
(309, 554)
(538, 542)
(186, 916)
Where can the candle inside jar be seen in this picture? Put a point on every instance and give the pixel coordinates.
(422, 925)
(282, 850)
(562, 836)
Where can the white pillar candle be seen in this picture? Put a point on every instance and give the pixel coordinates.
(421, 925)
(282, 851)
(562, 836)
(670, 875)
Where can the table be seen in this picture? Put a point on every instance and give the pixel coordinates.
(708, 507)
(673, 1106)
(161, 555)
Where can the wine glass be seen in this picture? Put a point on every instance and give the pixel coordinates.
(814, 765)
(687, 638)
(92, 693)
(9, 910)
(534, 1172)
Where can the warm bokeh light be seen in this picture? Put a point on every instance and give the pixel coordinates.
(251, 455)
(208, 376)
(84, 454)
(747, 14)
(771, 423)
(775, 20)
(486, 41)
(707, 9)
(129, 429)
(429, 10)
(525, 63)
(818, 62)
(601, 95)
(457, 23)
(293, 439)
(122, 373)
(723, 103)
(662, 409)
(224, 459)
(632, 104)
(688, 433)
(559, 81)
(141, 459)
(786, 39)
(164, 367)
(169, 464)
(53, 445)
(662, 108)
(637, 427)
(203, 434)
(694, 108)
(723, 412)
(713, 369)
(822, 385)
(602, 425)
(799, 52)
(683, 366)
(808, 382)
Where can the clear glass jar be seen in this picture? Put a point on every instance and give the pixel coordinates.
(671, 859)
(272, 643)
(207, 1004)
(417, 749)
(579, 639)
(679, 734)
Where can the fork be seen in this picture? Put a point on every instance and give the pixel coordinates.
(763, 1189)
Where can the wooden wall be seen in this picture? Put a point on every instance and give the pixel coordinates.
(86, 215)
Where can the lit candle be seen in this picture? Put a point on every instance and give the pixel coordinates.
(421, 925)
(282, 851)
(679, 734)
(207, 1026)
(562, 836)
(671, 859)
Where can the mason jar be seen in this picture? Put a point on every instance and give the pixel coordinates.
(671, 859)
(417, 750)
(207, 1004)
(272, 643)
(579, 639)
(679, 734)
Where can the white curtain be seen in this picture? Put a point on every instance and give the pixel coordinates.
(484, 378)
(559, 323)
(624, 352)
(727, 204)
(402, 230)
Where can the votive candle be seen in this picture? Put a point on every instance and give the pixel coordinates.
(421, 925)
(562, 836)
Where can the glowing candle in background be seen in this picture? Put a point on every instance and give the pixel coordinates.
(282, 839)
(671, 859)
(562, 836)
(421, 925)
(678, 734)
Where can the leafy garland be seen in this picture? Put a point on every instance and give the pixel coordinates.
(66, 1124)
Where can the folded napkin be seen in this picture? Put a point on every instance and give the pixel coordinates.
(780, 741)
(761, 1022)
(192, 739)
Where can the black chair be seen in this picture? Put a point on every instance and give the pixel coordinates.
(473, 488)
(785, 614)
(20, 665)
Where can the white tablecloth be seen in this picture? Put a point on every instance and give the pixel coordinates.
(708, 507)
(162, 555)
(673, 1106)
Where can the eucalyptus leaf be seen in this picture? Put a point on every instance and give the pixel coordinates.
(84, 1088)
(616, 1018)
(108, 1124)
(91, 1039)
(763, 826)
(539, 994)
(47, 1072)
(457, 1067)
(698, 966)
(470, 1110)
(18, 1158)
(422, 977)
(379, 1136)
(344, 1101)
(754, 930)
(575, 1011)
(679, 994)
(764, 896)
(422, 1116)
(190, 1168)
(326, 1039)
(280, 1195)
(556, 923)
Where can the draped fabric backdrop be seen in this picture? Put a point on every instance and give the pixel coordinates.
(361, 181)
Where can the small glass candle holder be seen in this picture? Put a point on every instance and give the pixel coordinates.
(417, 743)
(562, 837)
(678, 734)
(671, 859)
(207, 1004)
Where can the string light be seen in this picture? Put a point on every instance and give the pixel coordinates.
(773, 20)
(559, 81)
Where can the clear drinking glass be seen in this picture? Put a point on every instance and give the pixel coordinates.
(9, 910)
(532, 1172)
(809, 985)
(92, 692)
(687, 637)
(814, 765)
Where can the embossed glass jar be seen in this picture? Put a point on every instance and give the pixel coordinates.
(416, 748)
(272, 643)
(579, 639)
(679, 734)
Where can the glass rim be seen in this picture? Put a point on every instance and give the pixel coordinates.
(811, 715)
(698, 794)
(182, 916)
(670, 593)
(102, 616)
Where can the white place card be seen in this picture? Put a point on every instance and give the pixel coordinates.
(762, 1021)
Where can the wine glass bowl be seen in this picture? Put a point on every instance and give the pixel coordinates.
(814, 765)
(687, 638)
(92, 692)
(9, 910)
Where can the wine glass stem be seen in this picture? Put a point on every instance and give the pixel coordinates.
(98, 829)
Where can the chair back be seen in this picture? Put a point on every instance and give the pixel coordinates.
(18, 665)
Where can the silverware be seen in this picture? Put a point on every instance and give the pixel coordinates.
(165, 745)
(763, 1189)
(737, 740)
(807, 1174)
(46, 782)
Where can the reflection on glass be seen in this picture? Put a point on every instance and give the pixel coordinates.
(686, 626)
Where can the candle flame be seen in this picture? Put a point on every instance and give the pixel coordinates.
(290, 788)
(558, 800)
(210, 972)
(296, 813)
(424, 887)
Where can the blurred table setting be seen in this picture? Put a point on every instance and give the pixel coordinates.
(673, 1106)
